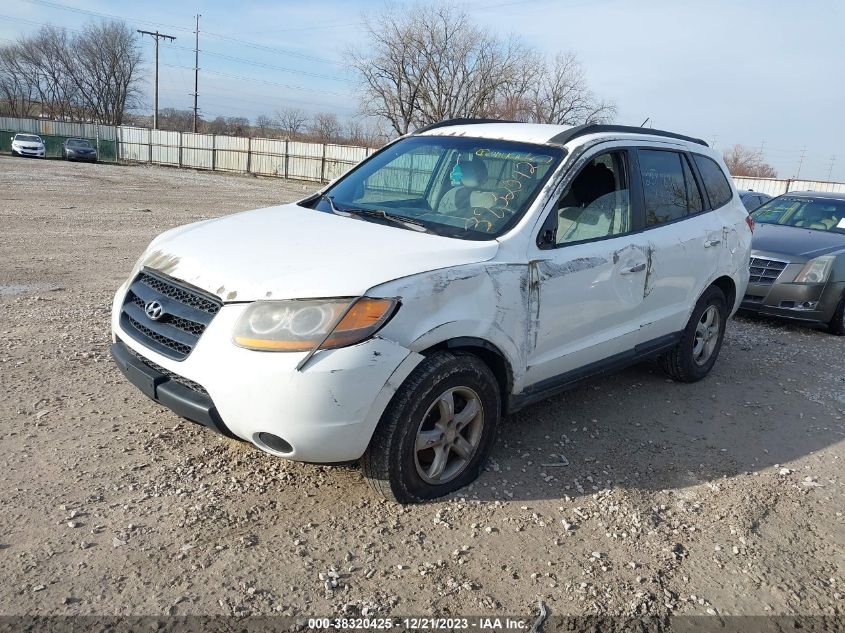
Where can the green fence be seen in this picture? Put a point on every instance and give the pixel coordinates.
(106, 150)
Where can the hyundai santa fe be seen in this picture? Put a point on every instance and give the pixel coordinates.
(457, 275)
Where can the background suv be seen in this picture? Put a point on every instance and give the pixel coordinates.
(458, 274)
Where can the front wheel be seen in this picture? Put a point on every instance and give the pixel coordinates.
(436, 433)
(695, 354)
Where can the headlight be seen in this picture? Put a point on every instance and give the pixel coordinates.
(816, 270)
(305, 325)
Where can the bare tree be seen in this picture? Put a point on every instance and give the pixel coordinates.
(744, 161)
(292, 120)
(105, 64)
(265, 127)
(91, 76)
(559, 94)
(325, 127)
(175, 120)
(431, 62)
(18, 93)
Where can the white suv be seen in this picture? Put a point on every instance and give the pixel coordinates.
(457, 275)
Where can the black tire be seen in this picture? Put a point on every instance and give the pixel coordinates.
(837, 323)
(680, 362)
(391, 463)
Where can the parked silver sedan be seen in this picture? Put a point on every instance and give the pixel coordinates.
(798, 259)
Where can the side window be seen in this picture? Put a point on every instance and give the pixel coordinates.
(694, 200)
(669, 191)
(596, 203)
(715, 184)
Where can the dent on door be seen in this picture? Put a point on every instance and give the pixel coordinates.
(586, 304)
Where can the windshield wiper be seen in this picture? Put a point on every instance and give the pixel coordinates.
(414, 225)
(346, 212)
(335, 210)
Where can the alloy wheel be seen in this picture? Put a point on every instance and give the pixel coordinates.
(449, 435)
(706, 335)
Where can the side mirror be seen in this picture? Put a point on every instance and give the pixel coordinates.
(547, 238)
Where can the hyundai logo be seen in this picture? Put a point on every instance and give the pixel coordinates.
(154, 310)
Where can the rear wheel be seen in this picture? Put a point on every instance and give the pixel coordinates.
(695, 354)
(437, 431)
(837, 323)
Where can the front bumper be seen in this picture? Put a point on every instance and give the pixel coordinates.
(88, 158)
(35, 153)
(801, 302)
(167, 389)
(327, 412)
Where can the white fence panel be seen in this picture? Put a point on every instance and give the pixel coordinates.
(778, 186)
(198, 150)
(342, 158)
(817, 185)
(305, 160)
(165, 147)
(134, 144)
(230, 153)
(770, 186)
(19, 125)
(268, 157)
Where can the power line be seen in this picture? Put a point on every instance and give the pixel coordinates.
(260, 81)
(112, 16)
(250, 62)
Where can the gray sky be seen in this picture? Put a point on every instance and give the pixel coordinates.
(754, 72)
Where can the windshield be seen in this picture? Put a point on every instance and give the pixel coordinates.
(77, 142)
(27, 138)
(819, 214)
(454, 186)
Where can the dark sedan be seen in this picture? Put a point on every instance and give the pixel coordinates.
(753, 199)
(79, 149)
(798, 259)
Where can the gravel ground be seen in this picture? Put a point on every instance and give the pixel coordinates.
(631, 495)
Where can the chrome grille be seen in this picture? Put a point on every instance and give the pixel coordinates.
(186, 314)
(765, 271)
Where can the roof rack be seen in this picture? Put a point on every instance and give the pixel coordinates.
(595, 128)
(450, 122)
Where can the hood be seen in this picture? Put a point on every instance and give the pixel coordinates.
(291, 252)
(795, 242)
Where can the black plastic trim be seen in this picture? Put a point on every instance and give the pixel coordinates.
(595, 128)
(183, 401)
(558, 384)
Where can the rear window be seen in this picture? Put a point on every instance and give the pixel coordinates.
(715, 184)
(669, 190)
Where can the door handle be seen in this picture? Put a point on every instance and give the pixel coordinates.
(709, 243)
(637, 268)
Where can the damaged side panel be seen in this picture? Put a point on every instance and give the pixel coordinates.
(487, 301)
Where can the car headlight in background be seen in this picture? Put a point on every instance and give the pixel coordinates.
(307, 325)
(816, 270)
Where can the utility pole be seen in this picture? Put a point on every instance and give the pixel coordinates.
(830, 171)
(156, 36)
(196, 69)
(800, 162)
